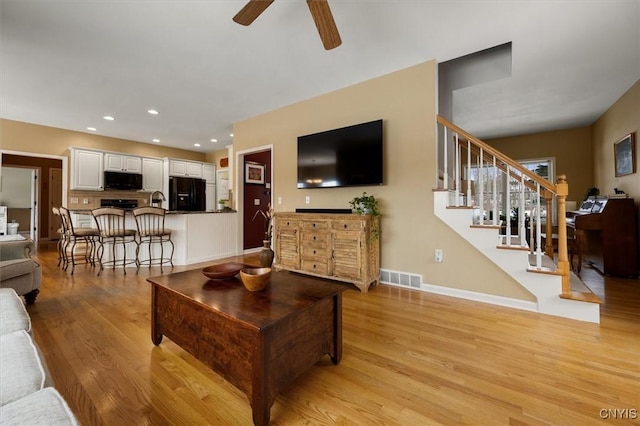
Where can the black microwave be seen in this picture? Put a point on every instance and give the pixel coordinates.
(122, 181)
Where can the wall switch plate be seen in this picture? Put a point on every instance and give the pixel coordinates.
(256, 201)
(85, 201)
(438, 255)
(74, 200)
(307, 199)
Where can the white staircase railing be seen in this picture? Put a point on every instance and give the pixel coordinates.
(506, 194)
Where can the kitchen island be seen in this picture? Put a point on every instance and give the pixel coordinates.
(197, 236)
(202, 236)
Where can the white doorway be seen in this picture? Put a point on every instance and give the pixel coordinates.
(19, 192)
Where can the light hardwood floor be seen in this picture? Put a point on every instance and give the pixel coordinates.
(410, 358)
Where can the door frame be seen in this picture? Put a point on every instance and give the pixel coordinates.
(239, 184)
(63, 158)
(65, 167)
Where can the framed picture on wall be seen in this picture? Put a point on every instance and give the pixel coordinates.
(254, 173)
(625, 155)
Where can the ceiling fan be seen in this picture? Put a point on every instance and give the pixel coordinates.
(319, 11)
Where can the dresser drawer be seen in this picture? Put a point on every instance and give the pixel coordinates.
(314, 224)
(287, 223)
(316, 267)
(315, 238)
(347, 225)
(315, 251)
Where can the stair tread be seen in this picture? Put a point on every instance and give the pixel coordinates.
(581, 296)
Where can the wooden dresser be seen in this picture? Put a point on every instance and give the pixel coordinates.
(343, 247)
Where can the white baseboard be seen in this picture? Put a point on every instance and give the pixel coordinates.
(508, 302)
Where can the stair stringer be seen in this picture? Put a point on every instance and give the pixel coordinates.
(546, 288)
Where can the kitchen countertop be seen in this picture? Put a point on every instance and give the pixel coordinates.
(201, 212)
(169, 212)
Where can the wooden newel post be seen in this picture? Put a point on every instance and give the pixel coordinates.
(563, 257)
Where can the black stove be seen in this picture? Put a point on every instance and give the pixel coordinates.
(119, 203)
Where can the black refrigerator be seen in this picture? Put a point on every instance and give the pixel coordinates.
(186, 194)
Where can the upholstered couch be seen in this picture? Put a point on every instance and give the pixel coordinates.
(18, 270)
(27, 395)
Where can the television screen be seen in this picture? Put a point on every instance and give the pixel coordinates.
(350, 156)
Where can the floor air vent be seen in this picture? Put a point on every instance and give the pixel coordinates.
(402, 279)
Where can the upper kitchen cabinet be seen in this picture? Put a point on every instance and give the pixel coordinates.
(87, 171)
(185, 168)
(209, 173)
(122, 163)
(152, 174)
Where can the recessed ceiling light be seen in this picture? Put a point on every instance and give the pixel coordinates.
(156, 140)
(196, 144)
(231, 134)
(153, 112)
(93, 129)
(214, 140)
(109, 118)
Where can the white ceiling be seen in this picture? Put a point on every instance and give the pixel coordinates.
(68, 63)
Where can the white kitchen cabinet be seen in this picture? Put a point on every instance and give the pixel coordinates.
(152, 174)
(209, 173)
(185, 168)
(210, 197)
(122, 163)
(87, 170)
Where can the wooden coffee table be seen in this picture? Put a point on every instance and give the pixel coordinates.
(258, 341)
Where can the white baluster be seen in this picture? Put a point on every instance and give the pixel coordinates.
(457, 179)
(445, 174)
(507, 208)
(521, 216)
(495, 192)
(539, 229)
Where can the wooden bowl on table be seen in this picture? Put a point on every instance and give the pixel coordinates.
(223, 271)
(255, 279)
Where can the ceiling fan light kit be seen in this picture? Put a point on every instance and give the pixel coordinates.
(320, 12)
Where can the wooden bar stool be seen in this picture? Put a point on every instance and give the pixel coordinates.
(112, 231)
(73, 236)
(151, 230)
(60, 232)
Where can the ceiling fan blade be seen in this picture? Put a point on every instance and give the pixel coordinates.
(251, 11)
(324, 22)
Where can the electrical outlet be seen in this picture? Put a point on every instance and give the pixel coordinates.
(74, 200)
(256, 201)
(308, 199)
(438, 255)
(85, 201)
(279, 200)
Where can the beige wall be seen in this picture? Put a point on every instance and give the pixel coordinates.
(405, 100)
(26, 137)
(571, 149)
(621, 119)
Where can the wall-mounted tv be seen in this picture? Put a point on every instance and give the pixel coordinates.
(349, 156)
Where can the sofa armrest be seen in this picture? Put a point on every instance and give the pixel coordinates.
(16, 249)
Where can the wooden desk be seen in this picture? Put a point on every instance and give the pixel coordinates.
(258, 341)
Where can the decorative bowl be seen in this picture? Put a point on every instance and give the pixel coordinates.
(223, 271)
(255, 279)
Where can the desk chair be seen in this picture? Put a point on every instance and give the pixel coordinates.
(151, 230)
(112, 231)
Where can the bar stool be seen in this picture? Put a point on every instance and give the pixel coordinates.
(151, 230)
(60, 232)
(112, 231)
(72, 236)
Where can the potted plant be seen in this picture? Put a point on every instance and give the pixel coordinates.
(221, 205)
(367, 205)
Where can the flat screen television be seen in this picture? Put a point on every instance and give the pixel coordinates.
(349, 156)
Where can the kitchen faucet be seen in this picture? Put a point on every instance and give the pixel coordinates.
(158, 201)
